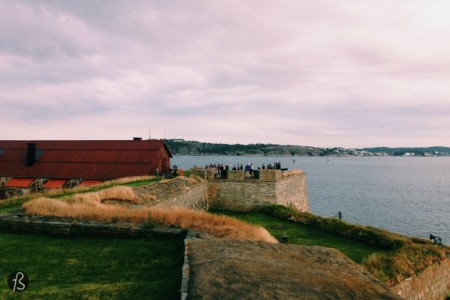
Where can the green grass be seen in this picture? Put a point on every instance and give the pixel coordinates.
(85, 268)
(136, 184)
(305, 235)
(9, 208)
(365, 234)
(12, 204)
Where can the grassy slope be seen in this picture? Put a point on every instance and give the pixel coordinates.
(403, 256)
(305, 235)
(83, 268)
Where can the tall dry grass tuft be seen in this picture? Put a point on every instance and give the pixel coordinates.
(219, 226)
(90, 207)
(122, 193)
(91, 210)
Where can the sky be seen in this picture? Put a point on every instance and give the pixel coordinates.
(322, 73)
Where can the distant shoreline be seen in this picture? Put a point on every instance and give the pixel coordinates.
(194, 148)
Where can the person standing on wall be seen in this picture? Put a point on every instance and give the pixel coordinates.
(247, 169)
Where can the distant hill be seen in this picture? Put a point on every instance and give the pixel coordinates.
(418, 151)
(183, 147)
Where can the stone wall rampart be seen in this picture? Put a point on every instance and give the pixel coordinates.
(67, 227)
(198, 171)
(433, 283)
(194, 197)
(237, 191)
(241, 193)
(236, 175)
(292, 191)
(185, 192)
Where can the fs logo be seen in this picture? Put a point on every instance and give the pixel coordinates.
(18, 281)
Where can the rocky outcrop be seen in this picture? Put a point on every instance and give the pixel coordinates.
(238, 269)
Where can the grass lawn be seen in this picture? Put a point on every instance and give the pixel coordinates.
(88, 268)
(10, 208)
(135, 184)
(305, 235)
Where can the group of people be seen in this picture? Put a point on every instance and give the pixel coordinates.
(221, 170)
(276, 166)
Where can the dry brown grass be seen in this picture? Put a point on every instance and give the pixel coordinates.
(121, 193)
(88, 210)
(394, 266)
(219, 226)
(87, 205)
(90, 206)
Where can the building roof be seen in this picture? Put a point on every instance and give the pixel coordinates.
(90, 182)
(19, 182)
(54, 183)
(81, 159)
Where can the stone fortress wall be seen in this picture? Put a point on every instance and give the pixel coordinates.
(183, 192)
(239, 192)
(432, 283)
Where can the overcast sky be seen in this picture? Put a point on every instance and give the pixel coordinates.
(351, 73)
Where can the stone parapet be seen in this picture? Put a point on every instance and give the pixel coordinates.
(193, 197)
(200, 172)
(269, 175)
(292, 191)
(241, 195)
(245, 194)
(210, 174)
(433, 283)
(234, 175)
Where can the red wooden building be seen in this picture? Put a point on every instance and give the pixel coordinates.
(87, 161)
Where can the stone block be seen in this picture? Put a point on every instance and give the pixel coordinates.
(236, 175)
(210, 174)
(269, 175)
(200, 172)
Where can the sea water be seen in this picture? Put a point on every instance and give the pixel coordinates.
(408, 195)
